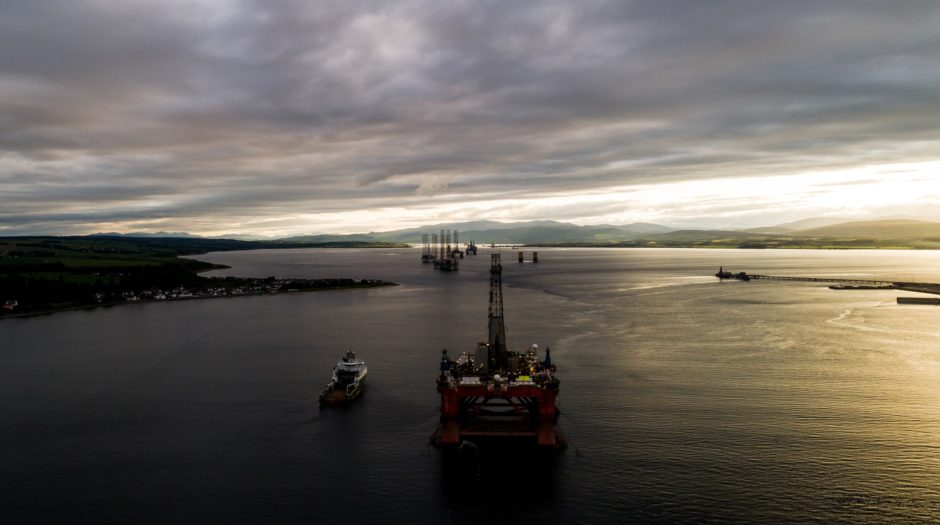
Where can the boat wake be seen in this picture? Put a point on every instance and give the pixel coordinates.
(853, 318)
(682, 281)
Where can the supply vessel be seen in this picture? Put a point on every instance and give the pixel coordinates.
(347, 382)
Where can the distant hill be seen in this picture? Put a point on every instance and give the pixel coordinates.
(797, 226)
(355, 237)
(484, 232)
(243, 237)
(817, 232)
(772, 230)
(706, 235)
(814, 222)
(644, 227)
(545, 231)
(879, 229)
(479, 231)
(469, 226)
(175, 235)
(184, 235)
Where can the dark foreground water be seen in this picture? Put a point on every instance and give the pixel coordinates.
(685, 399)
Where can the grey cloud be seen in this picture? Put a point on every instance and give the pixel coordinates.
(206, 110)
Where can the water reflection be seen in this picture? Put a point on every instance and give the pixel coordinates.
(689, 399)
(502, 482)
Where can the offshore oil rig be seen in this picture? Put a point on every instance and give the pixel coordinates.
(427, 250)
(495, 396)
(446, 255)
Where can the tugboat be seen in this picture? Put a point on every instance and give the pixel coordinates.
(348, 380)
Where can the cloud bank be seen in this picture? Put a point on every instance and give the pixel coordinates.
(294, 116)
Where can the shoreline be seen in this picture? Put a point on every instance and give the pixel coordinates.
(727, 247)
(376, 284)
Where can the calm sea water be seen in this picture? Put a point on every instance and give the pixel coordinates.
(685, 399)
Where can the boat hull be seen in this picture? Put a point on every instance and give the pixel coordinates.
(338, 397)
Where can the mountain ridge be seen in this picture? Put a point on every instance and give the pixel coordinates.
(879, 229)
(557, 232)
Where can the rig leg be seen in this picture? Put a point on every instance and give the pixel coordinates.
(450, 432)
(546, 433)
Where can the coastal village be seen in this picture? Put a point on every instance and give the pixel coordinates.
(219, 287)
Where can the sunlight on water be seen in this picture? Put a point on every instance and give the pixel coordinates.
(684, 398)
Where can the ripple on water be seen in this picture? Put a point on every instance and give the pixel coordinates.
(684, 399)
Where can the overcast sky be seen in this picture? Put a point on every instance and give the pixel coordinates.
(286, 117)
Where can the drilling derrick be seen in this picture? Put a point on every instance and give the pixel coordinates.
(494, 395)
(456, 251)
(443, 240)
(497, 328)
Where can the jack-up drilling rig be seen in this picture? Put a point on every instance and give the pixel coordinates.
(447, 256)
(495, 396)
(427, 252)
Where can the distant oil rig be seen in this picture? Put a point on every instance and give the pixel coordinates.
(428, 252)
(495, 396)
(443, 250)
